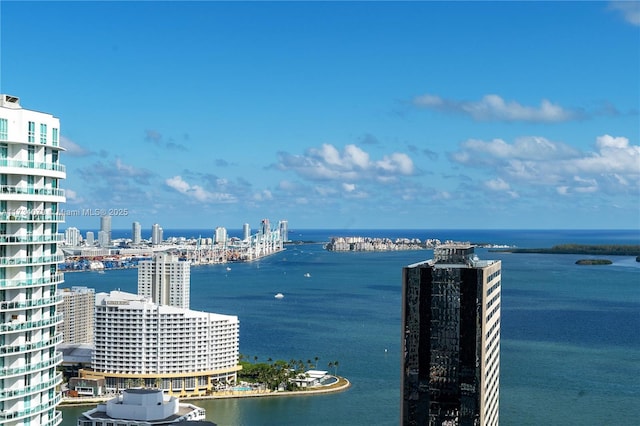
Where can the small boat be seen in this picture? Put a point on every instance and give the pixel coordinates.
(307, 275)
(279, 296)
(228, 268)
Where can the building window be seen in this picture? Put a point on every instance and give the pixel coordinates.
(54, 136)
(3, 129)
(32, 131)
(43, 133)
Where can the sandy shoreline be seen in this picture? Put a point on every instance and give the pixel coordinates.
(342, 385)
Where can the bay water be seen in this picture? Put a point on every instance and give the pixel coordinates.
(570, 343)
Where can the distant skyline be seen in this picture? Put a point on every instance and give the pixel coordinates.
(436, 115)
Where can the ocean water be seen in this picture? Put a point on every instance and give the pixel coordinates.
(570, 344)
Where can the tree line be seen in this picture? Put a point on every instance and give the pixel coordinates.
(275, 375)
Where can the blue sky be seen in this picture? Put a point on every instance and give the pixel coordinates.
(338, 114)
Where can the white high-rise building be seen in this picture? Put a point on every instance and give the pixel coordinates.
(72, 237)
(105, 226)
(140, 343)
(103, 239)
(283, 226)
(246, 232)
(78, 305)
(136, 233)
(30, 196)
(220, 236)
(90, 240)
(165, 280)
(156, 234)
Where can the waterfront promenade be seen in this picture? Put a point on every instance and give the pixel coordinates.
(341, 385)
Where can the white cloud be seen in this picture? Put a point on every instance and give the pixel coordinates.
(197, 192)
(494, 108)
(265, 195)
(475, 151)
(613, 166)
(178, 184)
(630, 10)
(71, 196)
(72, 148)
(351, 164)
(349, 187)
(497, 185)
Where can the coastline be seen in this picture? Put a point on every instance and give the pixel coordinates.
(342, 385)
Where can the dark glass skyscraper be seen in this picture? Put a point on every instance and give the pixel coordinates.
(451, 339)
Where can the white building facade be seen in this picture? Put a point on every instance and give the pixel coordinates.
(72, 237)
(30, 196)
(156, 234)
(139, 343)
(105, 227)
(165, 280)
(136, 233)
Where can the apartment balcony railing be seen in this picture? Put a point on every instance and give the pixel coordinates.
(51, 362)
(27, 325)
(32, 303)
(31, 260)
(12, 393)
(55, 421)
(11, 283)
(32, 165)
(31, 217)
(31, 190)
(28, 239)
(28, 347)
(7, 415)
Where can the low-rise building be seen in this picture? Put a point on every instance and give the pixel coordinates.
(146, 407)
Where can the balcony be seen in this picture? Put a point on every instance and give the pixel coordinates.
(31, 190)
(11, 283)
(56, 420)
(8, 415)
(12, 393)
(30, 325)
(32, 303)
(28, 347)
(31, 217)
(25, 369)
(30, 260)
(55, 167)
(29, 239)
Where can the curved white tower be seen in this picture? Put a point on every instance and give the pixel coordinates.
(30, 173)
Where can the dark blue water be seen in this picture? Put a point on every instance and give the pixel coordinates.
(570, 334)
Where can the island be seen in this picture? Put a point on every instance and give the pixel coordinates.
(593, 262)
(592, 249)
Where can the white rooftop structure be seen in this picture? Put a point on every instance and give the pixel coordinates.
(142, 407)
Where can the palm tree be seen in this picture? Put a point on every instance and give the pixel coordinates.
(335, 367)
(330, 364)
(316, 359)
(255, 358)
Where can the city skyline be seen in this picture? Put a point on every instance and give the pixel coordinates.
(337, 115)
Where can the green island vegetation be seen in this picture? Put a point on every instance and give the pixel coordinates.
(602, 249)
(593, 262)
(275, 375)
